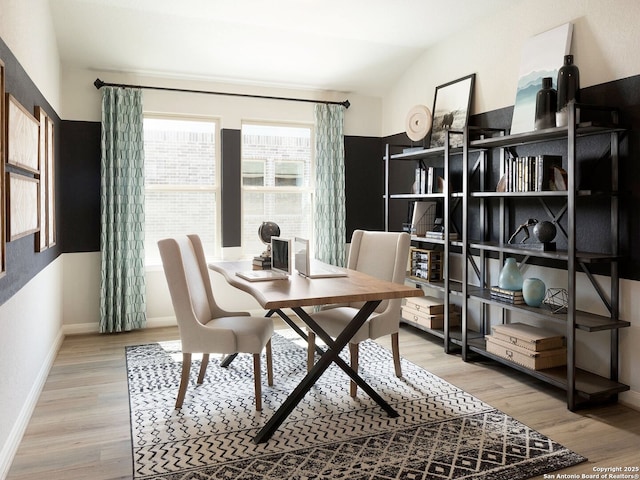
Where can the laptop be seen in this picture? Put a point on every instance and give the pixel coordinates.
(280, 263)
(307, 268)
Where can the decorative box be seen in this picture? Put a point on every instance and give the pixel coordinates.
(428, 305)
(535, 360)
(527, 336)
(434, 321)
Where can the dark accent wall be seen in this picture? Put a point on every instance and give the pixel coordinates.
(80, 186)
(22, 261)
(231, 195)
(364, 184)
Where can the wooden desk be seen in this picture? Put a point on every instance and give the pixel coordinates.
(298, 292)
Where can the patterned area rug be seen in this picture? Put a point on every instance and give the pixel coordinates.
(441, 433)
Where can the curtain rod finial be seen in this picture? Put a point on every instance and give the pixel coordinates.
(98, 83)
(346, 104)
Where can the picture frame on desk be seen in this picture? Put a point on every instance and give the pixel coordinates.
(451, 106)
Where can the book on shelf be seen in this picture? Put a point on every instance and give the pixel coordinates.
(440, 235)
(426, 178)
(532, 174)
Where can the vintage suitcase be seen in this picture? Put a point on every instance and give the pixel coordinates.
(525, 357)
(528, 336)
(430, 321)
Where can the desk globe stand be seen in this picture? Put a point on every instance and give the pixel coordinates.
(265, 231)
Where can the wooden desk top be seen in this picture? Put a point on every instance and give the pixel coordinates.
(299, 291)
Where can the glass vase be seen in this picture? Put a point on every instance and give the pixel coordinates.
(533, 291)
(510, 276)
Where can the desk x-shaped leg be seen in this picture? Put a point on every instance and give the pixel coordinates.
(334, 347)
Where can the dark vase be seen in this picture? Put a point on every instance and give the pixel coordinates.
(568, 83)
(546, 105)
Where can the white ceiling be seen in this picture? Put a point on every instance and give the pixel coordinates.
(359, 46)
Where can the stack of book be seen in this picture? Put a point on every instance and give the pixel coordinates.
(508, 296)
(440, 235)
(263, 263)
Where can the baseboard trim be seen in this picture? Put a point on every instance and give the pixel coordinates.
(14, 438)
(87, 328)
(630, 399)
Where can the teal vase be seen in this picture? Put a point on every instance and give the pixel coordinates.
(533, 291)
(510, 276)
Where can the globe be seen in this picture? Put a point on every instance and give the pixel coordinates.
(265, 231)
(268, 230)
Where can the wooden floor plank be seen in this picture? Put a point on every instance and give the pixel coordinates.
(80, 427)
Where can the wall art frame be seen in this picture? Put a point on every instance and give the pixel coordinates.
(22, 136)
(542, 56)
(451, 106)
(23, 217)
(3, 255)
(46, 237)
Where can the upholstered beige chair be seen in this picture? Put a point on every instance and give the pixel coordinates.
(383, 255)
(204, 327)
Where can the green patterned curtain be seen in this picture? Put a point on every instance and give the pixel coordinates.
(330, 230)
(122, 280)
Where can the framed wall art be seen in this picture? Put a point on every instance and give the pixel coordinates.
(50, 179)
(542, 56)
(46, 236)
(3, 257)
(22, 205)
(22, 136)
(451, 106)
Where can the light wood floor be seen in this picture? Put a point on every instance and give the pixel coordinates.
(80, 427)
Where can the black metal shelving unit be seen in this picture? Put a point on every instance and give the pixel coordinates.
(580, 385)
(481, 204)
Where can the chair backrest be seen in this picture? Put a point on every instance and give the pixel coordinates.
(380, 254)
(187, 275)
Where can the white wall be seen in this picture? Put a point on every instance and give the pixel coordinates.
(31, 321)
(81, 101)
(31, 324)
(27, 29)
(604, 45)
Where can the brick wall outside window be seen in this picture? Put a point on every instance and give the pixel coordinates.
(180, 176)
(284, 193)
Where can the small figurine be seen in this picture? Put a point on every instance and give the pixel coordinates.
(524, 227)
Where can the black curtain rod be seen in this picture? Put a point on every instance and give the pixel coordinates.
(99, 84)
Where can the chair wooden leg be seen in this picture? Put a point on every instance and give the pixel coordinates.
(203, 368)
(184, 380)
(395, 349)
(257, 380)
(311, 349)
(354, 351)
(269, 364)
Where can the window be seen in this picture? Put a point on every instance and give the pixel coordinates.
(276, 181)
(181, 182)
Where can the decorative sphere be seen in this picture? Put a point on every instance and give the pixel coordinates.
(544, 231)
(533, 291)
(267, 230)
